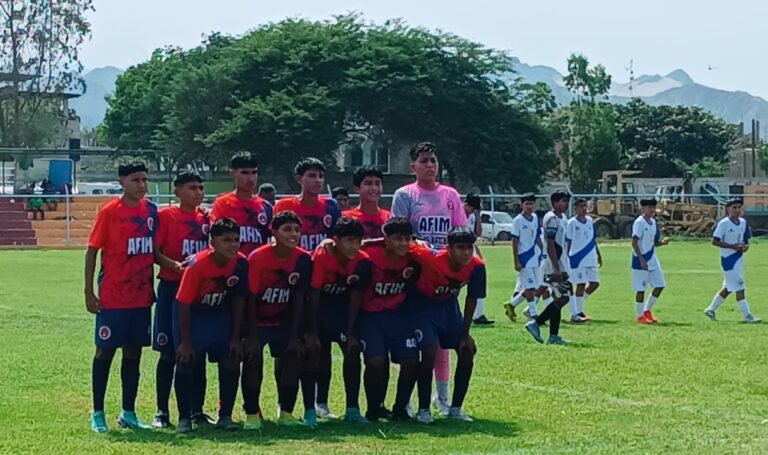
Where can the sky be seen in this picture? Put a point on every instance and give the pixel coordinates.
(719, 44)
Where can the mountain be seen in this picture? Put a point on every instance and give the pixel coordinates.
(92, 106)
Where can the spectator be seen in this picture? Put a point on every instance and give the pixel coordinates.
(35, 205)
(342, 197)
(267, 192)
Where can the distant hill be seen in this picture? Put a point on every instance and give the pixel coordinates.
(92, 106)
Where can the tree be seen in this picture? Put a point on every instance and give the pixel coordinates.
(39, 47)
(585, 82)
(762, 156)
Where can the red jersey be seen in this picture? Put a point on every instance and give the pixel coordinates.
(390, 280)
(372, 224)
(335, 279)
(125, 236)
(275, 282)
(208, 286)
(180, 234)
(316, 221)
(438, 281)
(253, 217)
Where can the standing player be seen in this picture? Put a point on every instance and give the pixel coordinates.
(182, 232)
(338, 282)
(436, 315)
(433, 210)
(368, 182)
(267, 192)
(732, 236)
(278, 278)
(209, 315)
(646, 269)
(526, 245)
(124, 232)
(252, 213)
(554, 270)
(341, 195)
(473, 207)
(584, 257)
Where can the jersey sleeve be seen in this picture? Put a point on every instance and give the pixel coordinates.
(657, 234)
(188, 287)
(363, 270)
(401, 204)
(719, 231)
(304, 268)
(550, 227)
(217, 209)
(100, 232)
(254, 273)
(637, 230)
(241, 271)
(163, 221)
(420, 253)
(477, 283)
(319, 267)
(458, 215)
(283, 205)
(569, 230)
(516, 228)
(747, 232)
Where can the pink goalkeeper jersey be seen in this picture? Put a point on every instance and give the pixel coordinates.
(432, 213)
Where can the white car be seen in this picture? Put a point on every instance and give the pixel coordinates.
(496, 225)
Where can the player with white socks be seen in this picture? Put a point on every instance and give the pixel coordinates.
(584, 257)
(526, 249)
(646, 269)
(732, 237)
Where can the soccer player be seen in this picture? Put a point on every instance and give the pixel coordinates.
(584, 257)
(554, 270)
(732, 236)
(267, 192)
(182, 231)
(436, 315)
(473, 207)
(341, 195)
(526, 245)
(384, 326)
(433, 210)
(209, 315)
(338, 282)
(278, 278)
(368, 182)
(124, 232)
(252, 213)
(318, 213)
(646, 269)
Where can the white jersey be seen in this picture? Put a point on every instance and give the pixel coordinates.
(647, 233)
(554, 228)
(526, 231)
(729, 232)
(581, 235)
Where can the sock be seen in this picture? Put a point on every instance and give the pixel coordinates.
(581, 302)
(351, 369)
(744, 307)
(554, 321)
(516, 300)
(461, 383)
(308, 381)
(323, 379)
(163, 383)
(184, 390)
(405, 384)
(99, 378)
(717, 300)
(443, 369)
(129, 376)
(287, 395)
(573, 306)
(228, 381)
(639, 307)
(547, 301)
(199, 388)
(251, 381)
(545, 315)
(442, 390)
(650, 303)
(479, 309)
(424, 386)
(532, 310)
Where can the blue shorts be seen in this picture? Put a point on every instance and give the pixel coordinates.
(436, 322)
(210, 331)
(274, 337)
(162, 329)
(333, 318)
(118, 328)
(387, 333)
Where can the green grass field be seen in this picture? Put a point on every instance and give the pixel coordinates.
(687, 385)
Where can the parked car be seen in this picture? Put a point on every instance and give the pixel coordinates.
(496, 225)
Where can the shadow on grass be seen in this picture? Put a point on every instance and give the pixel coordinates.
(327, 432)
(603, 322)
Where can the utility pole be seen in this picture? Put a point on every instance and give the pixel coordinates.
(631, 69)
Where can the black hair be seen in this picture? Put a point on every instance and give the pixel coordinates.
(286, 217)
(308, 164)
(129, 168)
(365, 171)
(266, 188)
(558, 196)
(734, 201)
(421, 147)
(473, 200)
(397, 226)
(348, 227)
(243, 161)
(461, 234)
(648, 202)
(528, 197)
(339, 190)
(224, 226)
(186, 177)
(579, 200)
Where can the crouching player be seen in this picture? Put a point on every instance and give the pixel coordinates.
(338, 281)
(124, 232)
(208, 319)
(437, 318)
(278, 278)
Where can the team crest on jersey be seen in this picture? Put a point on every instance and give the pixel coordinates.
(352, 279)
(232, 281)
(293, 278)
(408, 273)
(419, 335)
(105, 332)
(206, 228)
(162, 339)
(450, 205)
(327, 219)
(262, 217)
(150, 224)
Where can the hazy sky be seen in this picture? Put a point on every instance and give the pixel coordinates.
(660, 36)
